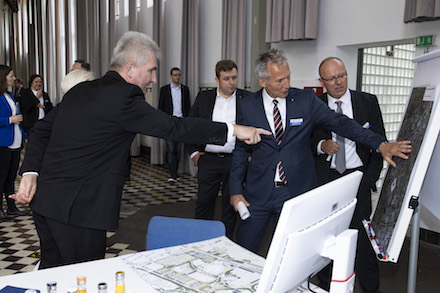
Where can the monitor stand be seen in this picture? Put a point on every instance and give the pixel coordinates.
(342, 250)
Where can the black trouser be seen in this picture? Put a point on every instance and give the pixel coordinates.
(9, 160)
(62, 243)
(214, 172)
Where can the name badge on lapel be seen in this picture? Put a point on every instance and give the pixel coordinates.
(296, 121)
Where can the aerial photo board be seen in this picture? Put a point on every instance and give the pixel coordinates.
(393, 213)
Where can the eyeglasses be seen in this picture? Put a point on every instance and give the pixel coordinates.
(333, 78)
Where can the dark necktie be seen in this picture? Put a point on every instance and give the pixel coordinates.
(340, 154)
(278, 124)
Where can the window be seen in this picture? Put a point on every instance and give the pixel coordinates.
(388, 72)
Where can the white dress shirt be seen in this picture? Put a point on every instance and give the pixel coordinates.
(17, 133)
(352, 159)
(225, 110)
(268, 109)
(41, 113)
(176, 95)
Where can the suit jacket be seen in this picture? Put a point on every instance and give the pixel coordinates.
(365, 109)
(17, 93)
(304, 111)
(166, 100)
(204, 107)
(28, 104)
(80, 149)
(7, 132)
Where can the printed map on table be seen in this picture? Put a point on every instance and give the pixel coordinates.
(215, 265)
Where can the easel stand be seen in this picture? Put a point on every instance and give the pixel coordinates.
(414, 250)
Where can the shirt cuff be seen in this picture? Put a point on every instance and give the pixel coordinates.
(318, 148)
(377, 150)
(194, 154)
(230, 132)
(30, 173)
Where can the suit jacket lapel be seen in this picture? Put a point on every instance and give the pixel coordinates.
(356, 104)
(238, 97)
(291, 112)
(211, 103)
(260, 112)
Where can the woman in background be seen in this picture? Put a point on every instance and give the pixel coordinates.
(11, 142)
(34, 103)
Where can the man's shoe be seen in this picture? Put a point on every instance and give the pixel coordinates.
(3, 217)
(172, 180)
(15, 212)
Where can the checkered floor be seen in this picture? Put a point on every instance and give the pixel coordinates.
(19, 243)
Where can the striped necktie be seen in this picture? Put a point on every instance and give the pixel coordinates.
(278, 123)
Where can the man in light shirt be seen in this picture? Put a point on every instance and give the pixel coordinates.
(174, 100)
(363, 108)
(213, 161)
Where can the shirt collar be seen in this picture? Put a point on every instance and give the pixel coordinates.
(344, 99)
(220, 96)
(175, 87)
(268, 99)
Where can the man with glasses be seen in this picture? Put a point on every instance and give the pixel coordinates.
(336, 156)
(281, 166)
(174, 101)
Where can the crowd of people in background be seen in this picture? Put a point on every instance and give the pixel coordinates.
(280, 167)
(20, 111)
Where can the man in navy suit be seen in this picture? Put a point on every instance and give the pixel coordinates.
(213, 161)
(282, 166)
(80, 164)
(364, 109)
(174, 100)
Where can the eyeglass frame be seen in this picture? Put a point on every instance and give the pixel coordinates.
(333, 78)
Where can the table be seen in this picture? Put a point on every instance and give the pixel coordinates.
(96, 272)
(212, 265)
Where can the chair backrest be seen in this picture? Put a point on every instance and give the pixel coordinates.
(171, 231)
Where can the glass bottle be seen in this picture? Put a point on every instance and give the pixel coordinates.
(120, 282)
(102, 288)
(81, 282)
(52, 287)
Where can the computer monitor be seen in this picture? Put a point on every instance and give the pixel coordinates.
(307, 224)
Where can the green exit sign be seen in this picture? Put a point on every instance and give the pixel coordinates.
(425, 41)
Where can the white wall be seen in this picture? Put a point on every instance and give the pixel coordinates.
(345, 26)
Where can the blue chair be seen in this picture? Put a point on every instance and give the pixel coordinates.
(171, 231)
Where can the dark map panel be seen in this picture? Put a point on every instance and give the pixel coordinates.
(396, 180)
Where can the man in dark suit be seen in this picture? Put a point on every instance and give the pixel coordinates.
(18, 84)
(364, 109)
(282, 165)
(174, 100)
(213, 161)
(79, 152)
(34, 103)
